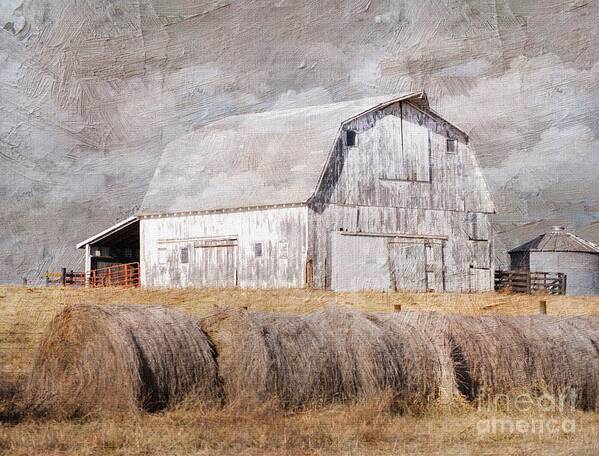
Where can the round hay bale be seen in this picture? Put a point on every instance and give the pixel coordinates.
(330, 355)
(428, 330)
(495, 356)
(244, 361)
(480, 357)
(269, 357)
(373, 355)
(564, 357)
(119, 358)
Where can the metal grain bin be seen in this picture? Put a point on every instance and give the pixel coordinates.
(560, 251)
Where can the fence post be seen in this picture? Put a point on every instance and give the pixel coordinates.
(126, 275)
(63, 277)
(543, 307)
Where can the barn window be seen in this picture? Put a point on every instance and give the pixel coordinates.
(258, 249)
(351, 138)
(283, 250)
(162, 256)
(452, 146)
(184, 255)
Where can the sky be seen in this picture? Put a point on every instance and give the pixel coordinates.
(93, 90)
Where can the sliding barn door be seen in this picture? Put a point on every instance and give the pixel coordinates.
(214, 264)
(416, 265)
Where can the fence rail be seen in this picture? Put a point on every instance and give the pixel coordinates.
(118, 275)
(65, 278)
(531, 282)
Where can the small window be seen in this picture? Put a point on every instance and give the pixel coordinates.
(351, 138)
(283, 250)
(184, 255)
(162, 256)
(258, 249)
(452, 146)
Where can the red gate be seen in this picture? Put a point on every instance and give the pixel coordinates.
(119, 275)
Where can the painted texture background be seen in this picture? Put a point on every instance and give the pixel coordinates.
(92, 90)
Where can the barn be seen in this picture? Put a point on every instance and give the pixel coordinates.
(559, 251)
(370, 194)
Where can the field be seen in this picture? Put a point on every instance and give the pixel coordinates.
(361, 428)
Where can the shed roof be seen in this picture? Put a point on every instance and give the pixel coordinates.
(258, 159)
(120, 226)
(557, 240)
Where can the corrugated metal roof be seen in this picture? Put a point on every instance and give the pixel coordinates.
(557, 240)
(258, 159)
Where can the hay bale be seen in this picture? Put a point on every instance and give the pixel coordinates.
(493, 356)
(565, 359)
(119, 358)
(333, 354)
(429, 328)
(486, 356)
(268, 357)
(372, 355)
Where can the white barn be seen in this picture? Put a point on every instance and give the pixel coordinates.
(378, 193)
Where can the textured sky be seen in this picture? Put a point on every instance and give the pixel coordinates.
(92, 90)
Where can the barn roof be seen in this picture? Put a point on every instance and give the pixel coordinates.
(557, 240)
(119, 227)
(259, 159)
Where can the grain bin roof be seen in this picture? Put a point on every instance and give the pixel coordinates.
(557, 240)
(258, 159)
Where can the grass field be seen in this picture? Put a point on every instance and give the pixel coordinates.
(361, 428)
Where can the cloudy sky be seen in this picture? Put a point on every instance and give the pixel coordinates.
(92, 91)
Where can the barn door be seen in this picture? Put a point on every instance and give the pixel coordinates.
(358, 262)
(416, 265)
(407, 265)
(435, 267)
(214, 263)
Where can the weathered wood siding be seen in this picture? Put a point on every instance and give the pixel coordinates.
(399, 178)
(221, 249)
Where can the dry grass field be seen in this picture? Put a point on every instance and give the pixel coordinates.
(361, 428)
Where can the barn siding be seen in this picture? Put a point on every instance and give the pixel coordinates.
(400, 179)
(282, 232)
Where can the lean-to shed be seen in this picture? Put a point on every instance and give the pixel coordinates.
(378, 193)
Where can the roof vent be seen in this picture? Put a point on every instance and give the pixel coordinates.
(558, 228)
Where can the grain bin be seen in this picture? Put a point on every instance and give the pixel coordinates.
(560, 251)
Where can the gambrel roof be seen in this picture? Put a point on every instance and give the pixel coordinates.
(265, 159)
(557, 240)
(258, 159)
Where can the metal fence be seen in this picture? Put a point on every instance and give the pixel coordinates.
(531, 282)
(118, 275)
